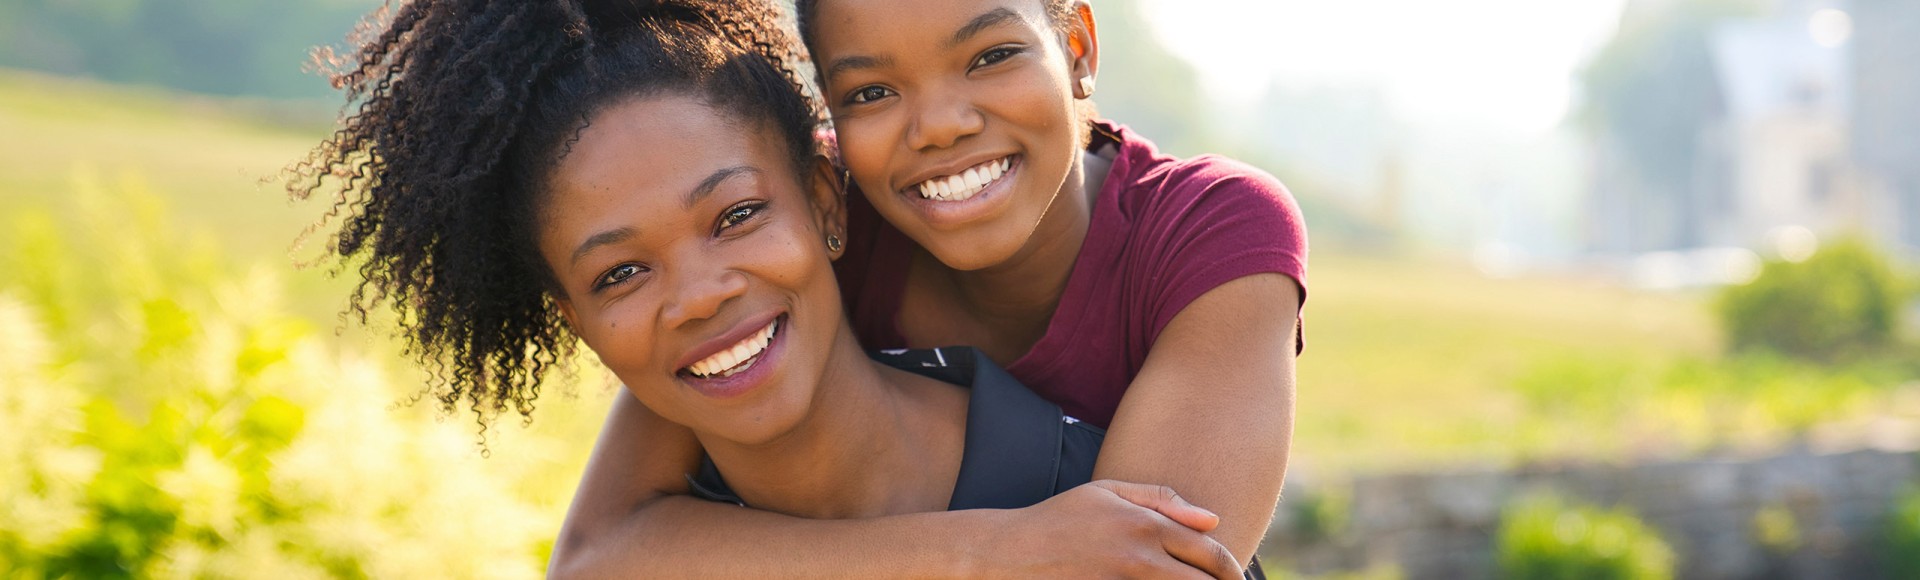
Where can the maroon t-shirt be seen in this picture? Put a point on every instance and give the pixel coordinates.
(1163, 232)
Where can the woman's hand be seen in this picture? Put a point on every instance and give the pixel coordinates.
(1108, 529)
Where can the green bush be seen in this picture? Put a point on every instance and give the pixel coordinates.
(1842, 302)
(164, 417)
(1544, 537)
(1902, 551)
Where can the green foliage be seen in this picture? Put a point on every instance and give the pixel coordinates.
(1843, 302)
(1776, 529)
(1902, 550)
(1322, 515)
(166, 417)
(1544, 537)
(229, 47)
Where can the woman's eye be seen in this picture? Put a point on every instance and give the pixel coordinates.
(739, 214)
(868, 94)
(618, 274)
(995, 55)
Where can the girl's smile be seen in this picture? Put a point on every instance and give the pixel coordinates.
(980, 192)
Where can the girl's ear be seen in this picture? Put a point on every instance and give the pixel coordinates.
(1083, 41)
(828, 192)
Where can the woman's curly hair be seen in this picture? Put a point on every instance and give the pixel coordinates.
(457, 112)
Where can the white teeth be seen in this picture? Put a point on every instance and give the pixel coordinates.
(739, 357)
(967, 183)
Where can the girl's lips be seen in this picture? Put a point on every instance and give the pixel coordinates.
(756, 371)
(954, 213)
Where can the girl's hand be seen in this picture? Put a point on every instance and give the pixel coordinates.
(1108, 529)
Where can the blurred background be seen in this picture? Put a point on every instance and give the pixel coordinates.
(1599, 288)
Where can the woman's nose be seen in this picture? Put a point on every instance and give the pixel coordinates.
(700, 293)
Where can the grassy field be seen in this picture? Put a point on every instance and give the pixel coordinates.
(1412, 361)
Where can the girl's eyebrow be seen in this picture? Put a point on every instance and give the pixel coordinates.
(851, 63)
(992, 18)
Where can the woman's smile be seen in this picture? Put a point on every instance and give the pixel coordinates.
(734, 368)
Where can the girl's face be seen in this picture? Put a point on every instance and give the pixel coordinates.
(694, 263)
(956, 117)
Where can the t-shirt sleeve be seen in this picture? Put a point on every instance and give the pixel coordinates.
(1215, 221)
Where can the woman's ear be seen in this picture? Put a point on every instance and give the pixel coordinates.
(1083, 42)
(566, 313)
(828, 192)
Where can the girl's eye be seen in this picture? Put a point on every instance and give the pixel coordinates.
(868, 94)
(995, 55)
(740, 214)
(618, 274)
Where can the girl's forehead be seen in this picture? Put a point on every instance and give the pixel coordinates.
(941, 18)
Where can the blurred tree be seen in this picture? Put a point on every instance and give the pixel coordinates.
(1647, 97)
(1653, 85)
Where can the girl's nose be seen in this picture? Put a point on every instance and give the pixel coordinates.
(942, 121)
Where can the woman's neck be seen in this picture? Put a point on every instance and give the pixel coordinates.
(877, 441)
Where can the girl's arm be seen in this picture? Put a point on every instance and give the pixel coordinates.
(1211, 412)
(631, 518)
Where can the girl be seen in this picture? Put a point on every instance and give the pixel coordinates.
(522, 174)
(996, 213)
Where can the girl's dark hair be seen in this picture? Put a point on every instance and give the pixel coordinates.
(458, 112)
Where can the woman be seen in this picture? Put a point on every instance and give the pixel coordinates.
(528, 173)
(1154, 295)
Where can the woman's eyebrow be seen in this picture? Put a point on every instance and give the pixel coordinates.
(712, 182)
(612, 236)
(693, 197)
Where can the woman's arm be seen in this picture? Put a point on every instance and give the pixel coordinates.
(630, 518)
(1211, 412)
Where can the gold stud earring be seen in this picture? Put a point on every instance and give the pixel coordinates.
(833, 243)
(1086, 87)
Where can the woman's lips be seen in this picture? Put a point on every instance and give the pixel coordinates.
(731, 359)
(742, 375)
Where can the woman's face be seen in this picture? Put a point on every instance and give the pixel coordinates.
(694, 263)
(956, 117)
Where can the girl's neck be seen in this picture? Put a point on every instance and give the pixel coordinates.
(878, 441)
(1017, 297)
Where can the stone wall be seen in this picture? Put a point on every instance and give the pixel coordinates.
(1442, 525)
